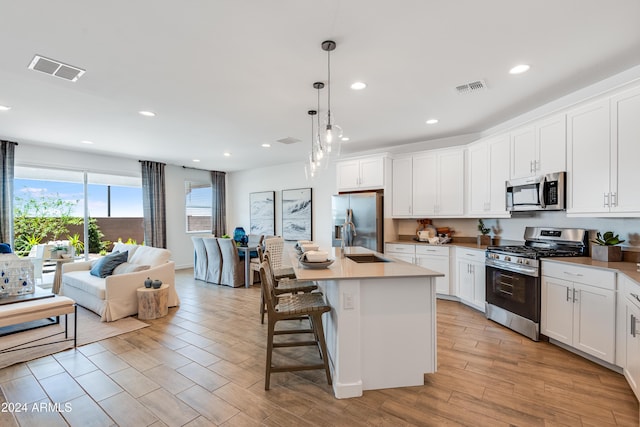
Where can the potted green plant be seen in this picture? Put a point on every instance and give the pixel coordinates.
(605, 249)
(483, 237)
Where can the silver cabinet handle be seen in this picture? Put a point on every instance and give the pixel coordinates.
(635, 296)
(568, 294)
(614, 199)
(574, 296)
(606, 200)
(633, 326)
(572, 274)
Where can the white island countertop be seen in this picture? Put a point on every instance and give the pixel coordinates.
(344, 268)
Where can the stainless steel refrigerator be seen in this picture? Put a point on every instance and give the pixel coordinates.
(360, 215)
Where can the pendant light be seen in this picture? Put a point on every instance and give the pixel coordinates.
(321, 149)
(332, 133)
(311, 167)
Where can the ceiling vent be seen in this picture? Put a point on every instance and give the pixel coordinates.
(471, 87)
(56, 68)
(289, 140)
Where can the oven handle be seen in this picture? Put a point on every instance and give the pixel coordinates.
(541, 190)
(499, 289)
(505, 266)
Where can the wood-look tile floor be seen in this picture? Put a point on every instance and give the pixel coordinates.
(203, 365)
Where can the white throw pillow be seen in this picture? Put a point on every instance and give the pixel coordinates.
(127, 267)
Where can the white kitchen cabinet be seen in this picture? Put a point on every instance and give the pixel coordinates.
(401, 187)
(578, 308)
(429, 184)
(602, 151)
(629, 327)
(470, 277)
(366, 173)
(401, 251)
(487, 173)
(539, 148)
(435, 258)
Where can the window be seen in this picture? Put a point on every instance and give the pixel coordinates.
(198, 206)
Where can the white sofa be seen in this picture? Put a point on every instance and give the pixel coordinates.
(114, 296)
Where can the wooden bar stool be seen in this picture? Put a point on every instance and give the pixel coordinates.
(284, 285)
(293, 307)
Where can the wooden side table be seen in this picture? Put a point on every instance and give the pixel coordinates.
(153, 303)
(57, 277)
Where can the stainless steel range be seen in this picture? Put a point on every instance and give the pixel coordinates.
(513, 275)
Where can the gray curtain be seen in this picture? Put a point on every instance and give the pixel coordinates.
(7, 151)
(218, 204)
(153, 204)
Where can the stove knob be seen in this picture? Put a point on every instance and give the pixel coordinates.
(507, 258)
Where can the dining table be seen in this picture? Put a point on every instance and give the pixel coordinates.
(246, 250)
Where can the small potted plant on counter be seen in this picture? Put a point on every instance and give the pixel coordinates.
(483, 238)
(605, 248)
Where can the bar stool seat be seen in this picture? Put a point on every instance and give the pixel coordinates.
(290, 307)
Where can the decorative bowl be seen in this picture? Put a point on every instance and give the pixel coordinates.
(316, 256)
(315, 265)
(309, 247)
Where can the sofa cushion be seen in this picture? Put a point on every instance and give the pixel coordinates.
(105, 266)
(127, 267)
(85, 282)
(148, 255)
(121, 247)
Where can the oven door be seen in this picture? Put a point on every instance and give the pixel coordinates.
(514, 292)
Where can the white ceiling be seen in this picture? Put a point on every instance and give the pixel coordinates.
(229, 75)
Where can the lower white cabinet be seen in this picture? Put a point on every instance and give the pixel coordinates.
(401, 251)
(578, 308)
(435, 258)
(470, 277)
(630, 306)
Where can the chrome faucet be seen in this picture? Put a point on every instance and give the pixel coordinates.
(349, 230)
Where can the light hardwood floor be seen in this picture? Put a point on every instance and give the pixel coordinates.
(203, 365)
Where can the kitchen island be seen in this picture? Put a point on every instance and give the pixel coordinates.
(381, 331)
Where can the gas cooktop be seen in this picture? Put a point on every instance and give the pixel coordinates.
(533, 252)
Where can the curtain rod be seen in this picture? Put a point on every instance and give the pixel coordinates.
(199, 169)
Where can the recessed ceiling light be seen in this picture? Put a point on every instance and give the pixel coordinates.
(432, 121)
(358, 85)
(196, 160)
(147, 113)
(345, 138)
(519, 69)
(4, 108)
(85, 141)
(227, 154)
(265, 145)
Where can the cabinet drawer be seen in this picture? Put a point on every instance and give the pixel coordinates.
(400, 248)
(630, 289)
(599, 278)
(470, 254)
(432, 250)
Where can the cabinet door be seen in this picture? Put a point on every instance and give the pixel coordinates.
(424, 184)
(478, 178)
(402, 194)
(594, 321)
(625, 173)
(371, 173)
(556, 306)
(632, 368)
(551, 145)
(479, 283)
(523, 153)
(348, 174)
(450, 192)
(465, 281)
(498, 175)
(439, 264)
(588, 145)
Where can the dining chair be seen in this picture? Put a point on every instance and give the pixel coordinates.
(232, 268)
(292, 307)
(213, 273)
(199, 258)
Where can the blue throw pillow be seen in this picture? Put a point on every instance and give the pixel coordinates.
(5, 248)
(105, 265)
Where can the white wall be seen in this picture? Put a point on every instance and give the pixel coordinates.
(278, 178)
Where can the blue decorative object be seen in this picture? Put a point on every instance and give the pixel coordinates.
(239, 235)
(5, 248)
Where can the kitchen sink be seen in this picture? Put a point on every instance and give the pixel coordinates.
(366, 258)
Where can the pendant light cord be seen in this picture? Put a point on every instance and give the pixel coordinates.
(328, 87)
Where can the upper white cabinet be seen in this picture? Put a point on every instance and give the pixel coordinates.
(602, 153)
(360, 174)
(487, 173)
(539, 148)
(429, 184)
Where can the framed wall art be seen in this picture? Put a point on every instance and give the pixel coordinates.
(262, 210)
(296, 214)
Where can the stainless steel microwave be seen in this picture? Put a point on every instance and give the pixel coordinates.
(538, 193)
